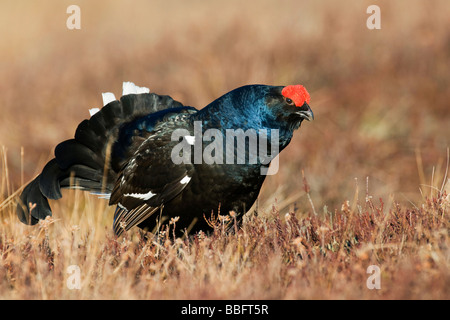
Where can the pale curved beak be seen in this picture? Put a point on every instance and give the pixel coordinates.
(306, 113)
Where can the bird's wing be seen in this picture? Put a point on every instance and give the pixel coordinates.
(148, 180)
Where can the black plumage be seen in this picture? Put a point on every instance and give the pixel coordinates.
(126, 150)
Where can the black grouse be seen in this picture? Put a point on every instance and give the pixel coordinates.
(156, 159)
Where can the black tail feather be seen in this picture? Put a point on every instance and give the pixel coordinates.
(49, 180)
(71, 152)
(82, 161)
(52, 179)
(33, 205)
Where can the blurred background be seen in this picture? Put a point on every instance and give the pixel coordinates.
(380, 97)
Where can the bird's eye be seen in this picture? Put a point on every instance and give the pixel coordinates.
(289, 101)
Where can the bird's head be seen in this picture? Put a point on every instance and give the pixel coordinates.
(262, 107)
(286, 107)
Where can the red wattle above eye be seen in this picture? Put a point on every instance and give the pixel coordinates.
(296, 93)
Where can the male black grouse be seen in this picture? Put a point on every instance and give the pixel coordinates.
(157, 159)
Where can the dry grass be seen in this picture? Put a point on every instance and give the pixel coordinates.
(271, 257)
(380, 99)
